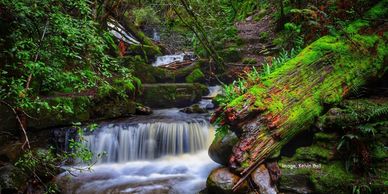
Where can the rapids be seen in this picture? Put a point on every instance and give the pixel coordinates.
(165, 152)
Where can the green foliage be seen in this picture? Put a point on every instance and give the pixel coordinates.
(78, 148)
(42, 165)
(240, 86)
(53, 46)
(145, 16)
(357, 144)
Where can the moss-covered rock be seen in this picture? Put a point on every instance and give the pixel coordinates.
(354, 112)
(313, 153)
(149, 74)
(12, 179)
(149, 52)
(332, 178)
(221, 147)
(171, 94)
(231, 54)
(65, 110)
(301, 177)
(195, 108)
(195, 76)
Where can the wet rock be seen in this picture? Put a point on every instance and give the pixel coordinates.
(114, 108)
(12, 179)
(221, 181)
(262, 179)
(171, 94)
(221, 147)
(274, 171)
(84, 108)
(143, 110)
(292, 182)
(194, 109)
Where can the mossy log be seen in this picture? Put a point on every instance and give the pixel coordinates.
(287, 101)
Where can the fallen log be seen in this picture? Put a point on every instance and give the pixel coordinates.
(287, 101)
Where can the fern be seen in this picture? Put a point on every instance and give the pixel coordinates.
(378, 112)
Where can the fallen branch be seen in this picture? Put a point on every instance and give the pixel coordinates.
(22, 127)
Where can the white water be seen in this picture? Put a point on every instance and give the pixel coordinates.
(125, 142)
(167, 59)
(185, 174)
(162, 153)
(207, 102)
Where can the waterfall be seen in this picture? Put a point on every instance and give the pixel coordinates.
(145, 141)
(155, 35)
(167, 59)
(175, 58)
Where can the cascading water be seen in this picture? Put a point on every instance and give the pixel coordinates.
(165, 152)
(127, 142)
(207, 101)
(168, 59)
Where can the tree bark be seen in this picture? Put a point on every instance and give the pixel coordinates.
(288, 101)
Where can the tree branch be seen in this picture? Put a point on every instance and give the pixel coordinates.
(26, 142)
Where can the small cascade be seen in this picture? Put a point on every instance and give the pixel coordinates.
(175, 58)
(165, 152)
(207, 101)
(124, 142)
(167, 59)
(155, 35)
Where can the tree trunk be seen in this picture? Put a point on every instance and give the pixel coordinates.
(288, 101)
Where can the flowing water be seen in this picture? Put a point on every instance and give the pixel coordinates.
(206, 102)
(168, 59)
(165, 152)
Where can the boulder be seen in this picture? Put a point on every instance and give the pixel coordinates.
(84, 108)
(262, 179)
(294, 182)
(195, 108)
(221, 147)
(221, 181)
(143, 110)
(12, 179)
(170, 95)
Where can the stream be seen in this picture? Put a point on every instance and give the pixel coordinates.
(165, 152)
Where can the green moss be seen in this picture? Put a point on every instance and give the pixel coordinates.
(144, 50)
(195, 76)
(380, 10)
(320, 136)
(332, 178)
(313, 153)
(322, 73)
